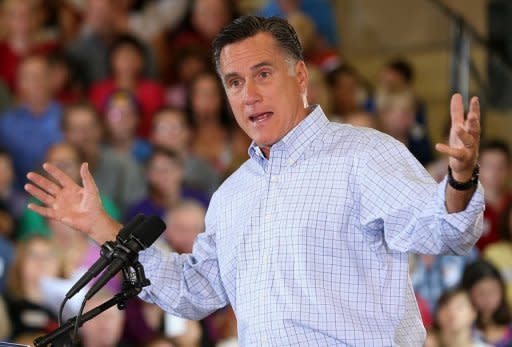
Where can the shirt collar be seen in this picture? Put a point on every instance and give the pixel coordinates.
(297, 139)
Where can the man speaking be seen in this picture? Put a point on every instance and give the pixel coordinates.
(308, 239)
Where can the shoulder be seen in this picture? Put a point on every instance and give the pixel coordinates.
(345, 139)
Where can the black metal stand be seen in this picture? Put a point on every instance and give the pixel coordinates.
(133, 283)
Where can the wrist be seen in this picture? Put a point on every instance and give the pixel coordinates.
(104, 228)
(463, 180)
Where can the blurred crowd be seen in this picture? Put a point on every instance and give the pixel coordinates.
(129, 87)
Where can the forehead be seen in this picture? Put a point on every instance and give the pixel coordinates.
(240, 56)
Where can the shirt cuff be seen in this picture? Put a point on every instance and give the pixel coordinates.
(464, 219)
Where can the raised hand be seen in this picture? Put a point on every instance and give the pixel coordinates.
(464, 141)
(66, 201)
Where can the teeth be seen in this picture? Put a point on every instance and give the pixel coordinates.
(260, 117)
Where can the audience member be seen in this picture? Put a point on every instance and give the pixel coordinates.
(172, 131)
(122, 115)
(23, 37)
(345, 89)
(396, 118)
(318, 90)
(127, 61)
(317, 51)
(321, 11)
(118, 177)
(211, 121)
(455, 317)
(188, 63)
(487, 292)
(495, 166)
(64, 81)
(203, 21)
(36, 259)
(106, 329)
(68, 159)
(160, 342)
(433, 275)
(500, 253)
(90, 49)
(36, 115)
(164, 172)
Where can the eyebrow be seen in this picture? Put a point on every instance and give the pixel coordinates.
(253, 68)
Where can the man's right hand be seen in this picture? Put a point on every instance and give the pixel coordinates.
(78, 207)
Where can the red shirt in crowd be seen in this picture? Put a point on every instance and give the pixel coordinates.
(149, 94)
(492, 219)
(11, 59)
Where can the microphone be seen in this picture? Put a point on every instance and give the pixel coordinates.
(106, 255)
(126, 253)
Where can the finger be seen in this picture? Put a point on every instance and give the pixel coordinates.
(456, 153)
(474, 108)
(457, 109)
(39, 194)
(44, 183)
(63, 179)
(467, 139)
(87, 178)
(43, 211)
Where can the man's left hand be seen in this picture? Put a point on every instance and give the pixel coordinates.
(464, 138)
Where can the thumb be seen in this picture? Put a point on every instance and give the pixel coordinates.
(87, 179)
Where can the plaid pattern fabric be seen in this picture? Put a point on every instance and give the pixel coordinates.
(310, 247)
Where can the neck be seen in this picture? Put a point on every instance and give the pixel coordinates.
(126, 82)
(168, 200)
(123, 145)
(37, 108)
(457, 339)
(20, 43)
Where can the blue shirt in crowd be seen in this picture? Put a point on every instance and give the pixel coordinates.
(27, 137)
(310, 246)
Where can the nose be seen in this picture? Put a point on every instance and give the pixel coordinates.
(251, 93)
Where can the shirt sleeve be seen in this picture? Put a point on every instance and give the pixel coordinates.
(186, 285)
(400, 199)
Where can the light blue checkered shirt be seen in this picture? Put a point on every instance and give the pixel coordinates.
(310, 247)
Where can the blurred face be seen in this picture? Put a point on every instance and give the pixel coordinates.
(494, 170)
(39, 261)
(397, 119)
(19, 18)
(345, 93)
(122, 119)
(456, 315)
(265, 91)
(83, 131)
(170, 131)
(183, 226)
(99, 15)
(6, 172)
(210, 16)
(33, 83)
(65, 157)
(189, 68)
(126, 61)
(486, 295)
(206, 99)
(391, 80)
(59, 77)
(106, 329)
(165, 175)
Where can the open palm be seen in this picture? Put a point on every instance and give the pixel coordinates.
(64, 200)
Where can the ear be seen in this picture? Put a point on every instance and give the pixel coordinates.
(302, 75)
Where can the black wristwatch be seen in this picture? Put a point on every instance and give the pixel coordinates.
(473, 181)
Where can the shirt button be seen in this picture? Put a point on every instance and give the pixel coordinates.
(268, 217)
(261, 299)
(291, 162)
(274, 178)
(265, 259)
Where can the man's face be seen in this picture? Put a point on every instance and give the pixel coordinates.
(83, 131)
(265, 91)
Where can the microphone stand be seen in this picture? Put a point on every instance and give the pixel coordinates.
(133, 283)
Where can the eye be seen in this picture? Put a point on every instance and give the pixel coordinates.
(264, 74)
(234, 83)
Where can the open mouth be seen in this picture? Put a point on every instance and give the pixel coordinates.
(260, 117)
